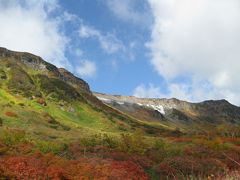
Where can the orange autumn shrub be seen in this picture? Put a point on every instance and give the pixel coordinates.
(10, 114)
(42, 101)
(180, 139)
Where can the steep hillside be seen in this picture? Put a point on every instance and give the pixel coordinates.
(42, 96)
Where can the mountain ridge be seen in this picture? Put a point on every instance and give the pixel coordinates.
(164, 99)
(211, 111)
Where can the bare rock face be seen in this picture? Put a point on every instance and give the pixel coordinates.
(76, 82)
(4, 52)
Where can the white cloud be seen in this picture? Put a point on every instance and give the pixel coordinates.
(149, 91)
(78, 52)
(108, 42)
(87, 32)
(129, 11)
(86, 68)
(195, 91)
(200, 39)
(69, 17)
(29, 26)
(173, 90)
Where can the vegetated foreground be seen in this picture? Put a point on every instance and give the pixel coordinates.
(52, 127)
(131, 156)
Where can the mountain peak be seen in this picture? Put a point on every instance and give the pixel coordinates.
(36, 63)
(76, 82)
(217, 102)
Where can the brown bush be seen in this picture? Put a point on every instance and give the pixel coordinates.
(42, 101)
(200, 152)
(179, 165)
(188, 165)
(10, 114)
(231, 158)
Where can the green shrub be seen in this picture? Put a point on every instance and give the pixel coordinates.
(172, 150)
(20, 82)
(162, 149)
(53, 147)
(1, 121)
(13, 136)
(90, 141)
(160, 144)
(56, 89)
(3, 75)
(109, 141)
(134, 143)
(21, 104)
(99, 139)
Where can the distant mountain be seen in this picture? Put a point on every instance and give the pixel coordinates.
(173, 110)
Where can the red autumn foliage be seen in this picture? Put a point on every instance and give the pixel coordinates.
(23, 148)
(235, 141)
(180, 139)
(200, 152)
(10, 114)
(232, 158)
(23, 167)
(186, 165)
(77, 152)
(117, 155)
(49, 166)
(190, 166)
(132, 170)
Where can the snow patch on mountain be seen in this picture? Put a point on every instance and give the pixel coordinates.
(159, 108)
(104, 99)
(119, 102)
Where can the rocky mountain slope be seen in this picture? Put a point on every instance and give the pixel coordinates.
(174, 110)
(29, 79)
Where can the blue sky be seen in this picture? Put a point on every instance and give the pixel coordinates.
(117, 72)
(148, 48)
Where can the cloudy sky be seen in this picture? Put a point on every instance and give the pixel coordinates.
(188, 49)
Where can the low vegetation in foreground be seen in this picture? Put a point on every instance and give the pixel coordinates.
(127, 156)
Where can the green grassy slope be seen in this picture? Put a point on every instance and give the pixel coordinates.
(46, 107)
